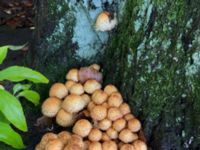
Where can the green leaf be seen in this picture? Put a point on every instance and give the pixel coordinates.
(30, 95)
(3, 118)
(17, 73)
(3, 53)
(10, 137)
(12, 110)
(18, 87)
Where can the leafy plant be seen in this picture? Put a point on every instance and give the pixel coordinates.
(11, 111)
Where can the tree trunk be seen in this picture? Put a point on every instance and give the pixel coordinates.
(152, 56)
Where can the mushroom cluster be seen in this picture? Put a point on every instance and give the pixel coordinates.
(106, 121)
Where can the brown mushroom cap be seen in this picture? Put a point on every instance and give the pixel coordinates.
(64, 137)
(109, 145)
(73, 103)
(90, 106)
(134, 125)
(114, 113)
(124, 108)
(95, 135)
(39, 147)
(95, 146)
(82, 127)
(98, 112)
(46, 138)
(54, 145)
(120, 144)
(95, 67)
(105, 104)
(64, 118)
(115, 99)
(119, 124)
(86, 99)
(105, 137)
(72, 75)
(76, 139)
(104, 124)
(139, 145)
(91, 85)
(109, 89)
(99, 96)
(127, 147)
(69, 83)
(51, 106)
(127, 136)
(129, 116)
(58, 90)
(86, 145)
(75, 143)
(73, 147)
(113, 134)
(77, 89)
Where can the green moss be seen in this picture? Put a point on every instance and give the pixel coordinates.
(151, 56)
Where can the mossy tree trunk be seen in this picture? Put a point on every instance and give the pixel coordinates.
(153, 57)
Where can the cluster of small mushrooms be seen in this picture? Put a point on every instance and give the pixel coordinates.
(100, 118)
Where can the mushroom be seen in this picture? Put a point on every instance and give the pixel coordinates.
(99, 96)
(134, 125)
(105, 22)
(72, 75)
(77, 89)
(91, 85)
(127, 136)
(90, 106)
(114, 113)
(64, 118)
(69, 84)
(115, 99)
(76, 139)
(51, 106)
(86, 145)
(54, 145)
(39, 147)
(139, 145)
(87, 73)
(129, 116)
(82, 127)
(95, 135)
(124, 108)
(73, 147)
(127, 147)
(105, 104)
(109, 145)
(46, 138)
(64, 137)
(58, 90)
(105, 137)
(86, 113)
(104, 124)
(86, 99)
(73, 103)
(120, 144)
(75, 143)
(98, 112)
(109, 89)
(119, 124)
(95, 67)
(113, 134)
(95, 146)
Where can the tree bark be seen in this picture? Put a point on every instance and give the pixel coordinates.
(152, 56)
